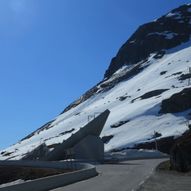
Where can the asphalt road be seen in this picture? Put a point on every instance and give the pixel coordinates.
(126, 176)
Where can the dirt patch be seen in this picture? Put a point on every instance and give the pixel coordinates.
(12, 173)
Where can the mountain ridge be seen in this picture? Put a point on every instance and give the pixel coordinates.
(122, 57)
(132, 92)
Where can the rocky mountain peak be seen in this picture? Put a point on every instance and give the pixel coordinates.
(155, 38)
(166, 32)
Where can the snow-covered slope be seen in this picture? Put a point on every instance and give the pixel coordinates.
(134, 101)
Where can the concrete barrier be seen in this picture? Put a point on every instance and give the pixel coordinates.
(82, 171)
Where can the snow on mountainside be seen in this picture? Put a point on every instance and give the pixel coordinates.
(139, 78)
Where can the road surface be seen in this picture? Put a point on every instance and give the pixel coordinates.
(168, 181)
(126, 176)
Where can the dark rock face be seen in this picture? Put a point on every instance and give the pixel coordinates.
(180, 153)
(66, 132)
(154, 37)
(119, 124)
(178, 102)
(151, 94)
(163, 72)
(185, 76)
(106, 139)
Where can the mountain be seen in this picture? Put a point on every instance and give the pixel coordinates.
(146, 88)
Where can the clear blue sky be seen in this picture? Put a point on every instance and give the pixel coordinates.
(52, 51)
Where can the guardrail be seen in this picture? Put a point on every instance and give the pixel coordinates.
(82, 171)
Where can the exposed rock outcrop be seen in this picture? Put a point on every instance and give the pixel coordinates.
(180, 153)
(155, 37)
(178, 102)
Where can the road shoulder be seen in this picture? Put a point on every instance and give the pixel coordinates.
(168, 181)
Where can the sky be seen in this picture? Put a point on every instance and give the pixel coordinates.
(52, 51)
